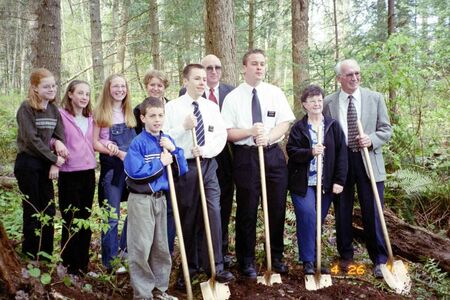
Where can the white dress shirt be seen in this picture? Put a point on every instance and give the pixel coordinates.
(237, 109)
(215, 132)
(343, 108)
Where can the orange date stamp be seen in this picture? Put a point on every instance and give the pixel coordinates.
(352, 270)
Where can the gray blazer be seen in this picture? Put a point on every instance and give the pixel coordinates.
(375, 122)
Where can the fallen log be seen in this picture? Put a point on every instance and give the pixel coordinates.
(411, 242)
(10, 268)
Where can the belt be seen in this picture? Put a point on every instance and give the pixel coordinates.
(202, 159)
(255, 148)
(353, 150)
(158, 194)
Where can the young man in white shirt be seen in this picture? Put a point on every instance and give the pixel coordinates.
(181, 118)
(257, 114)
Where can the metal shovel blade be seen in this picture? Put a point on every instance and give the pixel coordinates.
(317, 281)
(397, 277)
(213, 290)
(269, 278)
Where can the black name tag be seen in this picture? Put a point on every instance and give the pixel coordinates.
(211, 128)
(271, 113)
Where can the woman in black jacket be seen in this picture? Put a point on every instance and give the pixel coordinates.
(303, 149)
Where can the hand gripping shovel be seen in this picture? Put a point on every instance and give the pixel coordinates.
(176, 216)
(394, 272)
(211, 289)
(318, 280)
(269, 277)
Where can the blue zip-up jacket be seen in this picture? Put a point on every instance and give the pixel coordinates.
(145, 172)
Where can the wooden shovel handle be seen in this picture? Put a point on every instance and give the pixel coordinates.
(205, 211)
(176, 216)
(319, 205)
(377, 198)
(262, 171)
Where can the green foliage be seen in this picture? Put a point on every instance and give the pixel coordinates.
(419, 197)
(431, 281)
(11, 207)
(8, 128)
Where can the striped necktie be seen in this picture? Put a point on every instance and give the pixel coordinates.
(199, 129)
(352, 127)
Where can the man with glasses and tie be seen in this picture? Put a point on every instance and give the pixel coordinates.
(257, 114)
(216, 91)
(350, 103)
(182, 115)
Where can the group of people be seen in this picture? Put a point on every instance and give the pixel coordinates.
(137, 146)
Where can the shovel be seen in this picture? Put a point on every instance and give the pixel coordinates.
(394, 272)
(211, 289)
(269, 277)
(318, 280)
(176, 216)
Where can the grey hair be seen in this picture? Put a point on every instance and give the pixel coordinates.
(349, 61)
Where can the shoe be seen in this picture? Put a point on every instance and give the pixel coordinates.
(224, 276)
(157, 294)
(377, 272)
(121, 270)
(308, 268)
(248, 271)
(279, 267)
(227, 261)
(345, 264)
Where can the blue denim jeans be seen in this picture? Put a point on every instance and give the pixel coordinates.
(305, 212)
(113, 185)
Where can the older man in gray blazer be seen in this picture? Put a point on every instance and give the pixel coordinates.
(370, 108)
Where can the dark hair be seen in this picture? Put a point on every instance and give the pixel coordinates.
(67, 101)
(189, 67)
(312, 90)
(150, 102)
(250, 52)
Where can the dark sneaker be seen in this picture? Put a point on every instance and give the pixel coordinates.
(279, 267)
(224, 276)
(248, 270)
(377, 272)
(227, 261)
(180, 284)
(157, 294)
(308, 268)
(345, 264)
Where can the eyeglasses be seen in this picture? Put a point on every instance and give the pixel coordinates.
(314, 101)
(211, 68)
(350, 75)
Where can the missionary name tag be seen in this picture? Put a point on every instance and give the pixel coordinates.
(271, 114)
(211, 128)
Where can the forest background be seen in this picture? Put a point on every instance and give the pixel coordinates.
(403, 48)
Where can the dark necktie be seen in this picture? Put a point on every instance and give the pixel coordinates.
(352, 127)
(199, 129)
(256, 108)
(211, 96)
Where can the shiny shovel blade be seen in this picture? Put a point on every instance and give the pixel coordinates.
(215, 290)
(269, 278)
(397, 278)
(315, 282)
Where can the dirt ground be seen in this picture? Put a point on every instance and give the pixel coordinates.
(292, 287)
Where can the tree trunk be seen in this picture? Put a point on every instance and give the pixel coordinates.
(122, 42)
(220, 38)
(251, 24)
(96, 42)
(411, 242)
(300, 54)
(10, 269)
(392, 92)
(46, 36)
(154, 33)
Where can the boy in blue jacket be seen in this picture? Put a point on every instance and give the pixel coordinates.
(149, 153)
